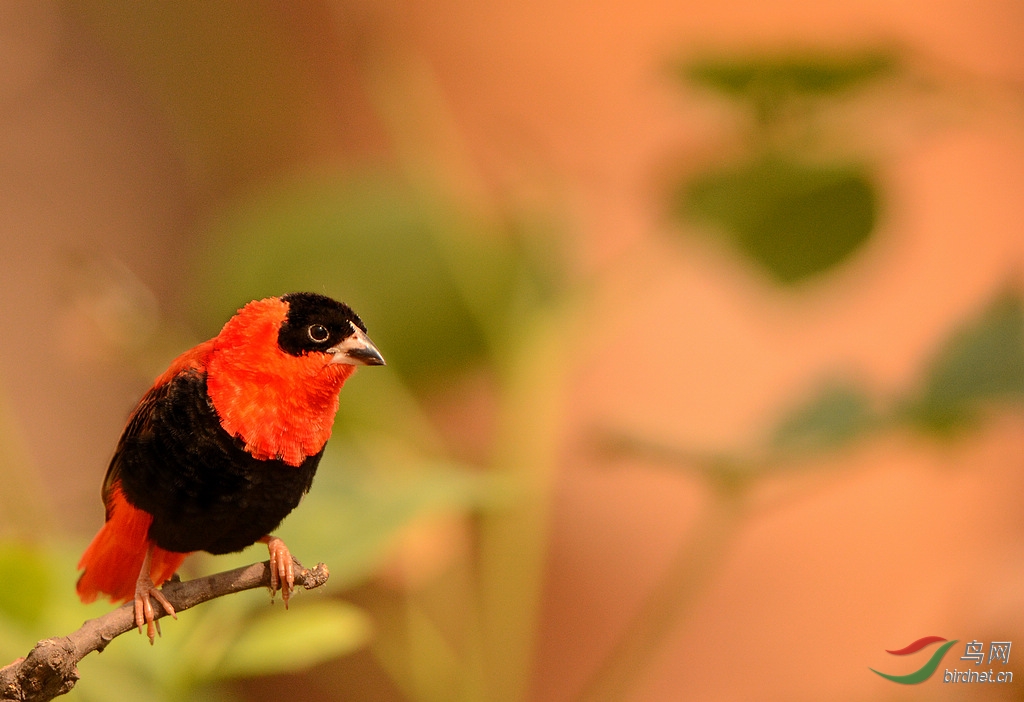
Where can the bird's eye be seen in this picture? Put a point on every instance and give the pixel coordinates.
(318, 333)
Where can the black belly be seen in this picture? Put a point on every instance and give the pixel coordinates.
(205, 492)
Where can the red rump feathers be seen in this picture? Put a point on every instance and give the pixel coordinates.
(114, 558)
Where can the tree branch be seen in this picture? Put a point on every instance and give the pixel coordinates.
(50, 668)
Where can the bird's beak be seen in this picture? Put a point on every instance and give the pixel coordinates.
(356, 350)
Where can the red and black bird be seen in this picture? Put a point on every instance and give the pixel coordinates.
(223, 446)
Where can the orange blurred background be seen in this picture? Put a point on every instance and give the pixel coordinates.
(127, 133)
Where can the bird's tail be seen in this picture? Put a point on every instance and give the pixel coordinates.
(113, 560)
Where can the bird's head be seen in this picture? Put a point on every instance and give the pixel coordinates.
(316, 324)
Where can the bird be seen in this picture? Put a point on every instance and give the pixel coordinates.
(223, 447)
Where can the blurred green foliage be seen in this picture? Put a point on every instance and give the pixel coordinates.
(363, 498)
(976, 372)
(438, 288)
(793, 219)
(26, 584)
(784, 206)
(978, 369)
(770, 81)
(838, 413)
(980, 366)
(315, 633)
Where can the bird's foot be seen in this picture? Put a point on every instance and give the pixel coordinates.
(145, 593)
(282, 568)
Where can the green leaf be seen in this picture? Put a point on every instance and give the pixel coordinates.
(791, 219)
(310, 633)
(838, 413)
(982, 362)
(799, 73)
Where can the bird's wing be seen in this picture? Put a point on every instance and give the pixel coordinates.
(142, 416)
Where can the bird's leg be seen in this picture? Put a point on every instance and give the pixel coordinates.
(282, 568)
(144, 590)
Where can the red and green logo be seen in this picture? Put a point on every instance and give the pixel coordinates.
(925, 671)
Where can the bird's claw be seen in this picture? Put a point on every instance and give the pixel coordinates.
(282, 569)
(145, 593)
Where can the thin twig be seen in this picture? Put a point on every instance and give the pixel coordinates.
(50, 668)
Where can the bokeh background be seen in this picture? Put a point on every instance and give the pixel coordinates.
(704, 325)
